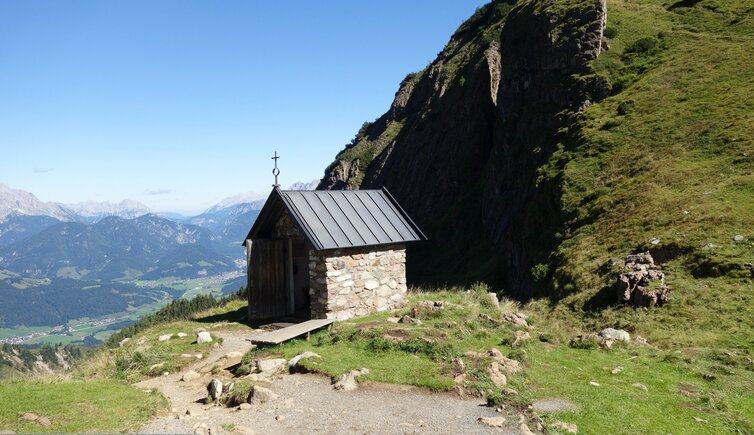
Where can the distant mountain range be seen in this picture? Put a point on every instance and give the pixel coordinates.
(108, 241)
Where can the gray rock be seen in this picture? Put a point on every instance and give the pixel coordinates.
(495, 372)
(244, 406)
(494, 300)
(123, 342)
(738, 238)
(492, 421)
(296, 359)
(203, 337)
(181, 334)
(640, 386)
(190, 376)
(28, 416)
(215, 389)
(165, 337)
(270, 366)
(347, 381)
(261, 394)
(615, 334)
(709, 246)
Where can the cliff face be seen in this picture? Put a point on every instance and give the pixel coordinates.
(461, 146)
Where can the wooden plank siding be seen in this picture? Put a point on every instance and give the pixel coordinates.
(267, 293)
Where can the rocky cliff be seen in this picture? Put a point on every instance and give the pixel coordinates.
(462, 143)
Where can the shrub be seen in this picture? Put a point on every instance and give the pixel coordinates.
(610, 32)
(539, 272)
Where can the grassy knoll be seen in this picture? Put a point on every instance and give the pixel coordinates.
(104, 406)
(715, 386)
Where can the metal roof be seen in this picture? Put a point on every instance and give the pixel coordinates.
(332, 219)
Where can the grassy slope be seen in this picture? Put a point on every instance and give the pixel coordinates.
(97, 397)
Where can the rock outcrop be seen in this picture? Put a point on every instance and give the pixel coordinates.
(463, 142)
(643, 285)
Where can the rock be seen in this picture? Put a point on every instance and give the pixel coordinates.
(492, 421)
(181, 334)
(296, 359)
(203, 337)
(494, 300)
(190, 376)
(458, 366)
(641, 341)
(409, 319)
(279, 417)
(270, 366)
(28, 416)
(347, 381)
(594, 383)
(738, 238)
(215, 389)
(43, 421)
(495, 372)
(654, 241)
(640, 386)
(460, 379)
(699, 420)
(244, 406)
(568, 427)
(709, 246)
(616, 370)
(518, 319)
(234, 354)
(124, 341)
(165, 337)
(643, 284)
(394, 319)
(261, 394)
(510, 392)
(141, 341)
(521, 338)
(615, 334)
(495, 353)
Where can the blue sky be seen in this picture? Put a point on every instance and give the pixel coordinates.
(178, 104)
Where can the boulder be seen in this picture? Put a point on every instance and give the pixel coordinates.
(269, 366)
(492, 421)
(495, 372)
(215, 389)
(190, 376)
(615, 334)
(518, 319)
(296, 359)
(203, 337)
(165, 337)
(261, 394)
(347, 381)
(642, 284)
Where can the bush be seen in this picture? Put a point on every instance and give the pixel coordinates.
(610, 32)
(539, 272)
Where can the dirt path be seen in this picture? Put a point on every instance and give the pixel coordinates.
(307, 403)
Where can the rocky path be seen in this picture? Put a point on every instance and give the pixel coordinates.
(307, 403)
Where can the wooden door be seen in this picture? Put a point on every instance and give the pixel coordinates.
(268, 286)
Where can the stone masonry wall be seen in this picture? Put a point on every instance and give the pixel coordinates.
(352, 282)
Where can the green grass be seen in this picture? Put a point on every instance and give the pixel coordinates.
(104, 406)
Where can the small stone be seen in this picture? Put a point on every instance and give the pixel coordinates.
(261, 394)
(123, 342)
(28, 416)
(190, 376)
(409, 319)
(393, 319)
(165, 337)
(640, 386)
(616, 370)
(181, 334)
(495, 372)
(270, 366)
(244, 406)
(738, 238)
(594, 383)
(215, 389)
(279, 417)
(699, 420)
(654, 241)
(641, 341)
(615, 334)
(203, 337)
(347, 381)
(492, 421)
(494, 300)
(709, 246)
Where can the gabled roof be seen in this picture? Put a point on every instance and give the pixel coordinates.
(332, 219)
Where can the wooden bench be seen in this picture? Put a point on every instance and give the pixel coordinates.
(289, 332)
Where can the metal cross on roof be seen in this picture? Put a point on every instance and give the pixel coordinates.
(276, 171)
